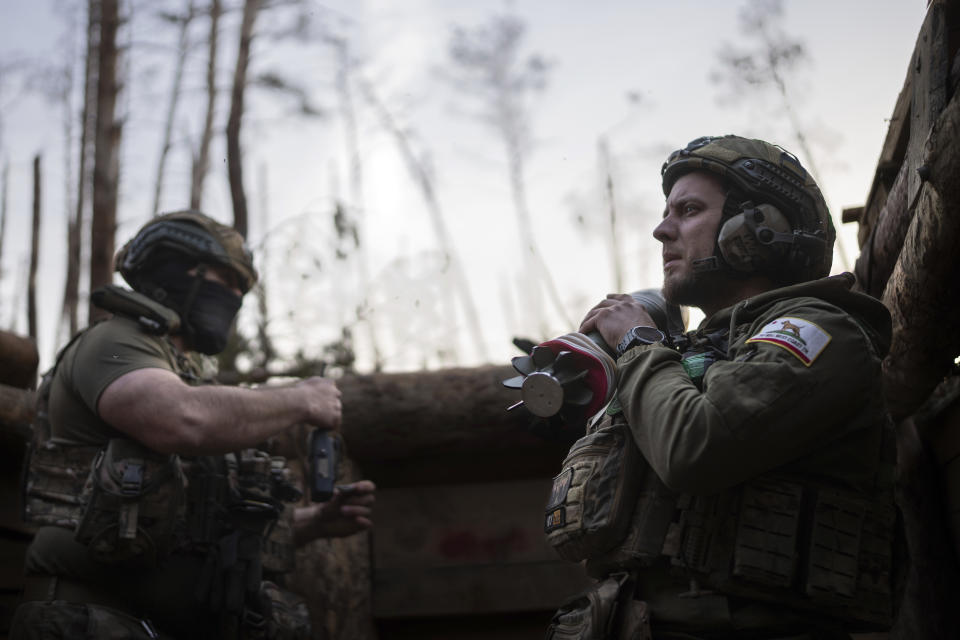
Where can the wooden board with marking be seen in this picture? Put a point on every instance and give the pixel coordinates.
(452, 549)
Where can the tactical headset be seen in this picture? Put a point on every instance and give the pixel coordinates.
(775, 220)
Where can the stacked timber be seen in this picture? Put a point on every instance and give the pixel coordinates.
(18, 370)
(910, 242)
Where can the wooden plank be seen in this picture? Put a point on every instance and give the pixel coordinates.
(921, 292)
(922, 98)
(16, 406)
(446, 591)
(891, 157)
(930, 67)
(851, 214)
(18, 360)
(879, 253)
(456, 525)
(448, 549)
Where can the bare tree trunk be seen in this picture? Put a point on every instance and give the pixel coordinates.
(5, 179)
(71, 295)
(106, 154)
(69, 194)
(461, 286)
(34, 254)
(202, 159)
(801, 136)
(183, 45)
(532, 255)
(603, 150)
(267, 352)
(356, 185)
(234, 158)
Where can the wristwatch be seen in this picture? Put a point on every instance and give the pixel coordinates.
(637, 336)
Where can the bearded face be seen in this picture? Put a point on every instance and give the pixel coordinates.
(688, 232)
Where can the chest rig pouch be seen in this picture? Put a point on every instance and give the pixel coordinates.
(593, 496)
(134, 500)
(55, 474)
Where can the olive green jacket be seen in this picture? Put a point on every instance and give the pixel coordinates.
(800, 392)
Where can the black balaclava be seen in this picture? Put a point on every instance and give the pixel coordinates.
(206, 308)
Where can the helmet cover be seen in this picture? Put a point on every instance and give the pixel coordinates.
(192, 234)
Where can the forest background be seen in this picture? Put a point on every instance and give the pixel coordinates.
(421, 181)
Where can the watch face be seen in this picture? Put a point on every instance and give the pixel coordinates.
(648, 335)
(639, 335)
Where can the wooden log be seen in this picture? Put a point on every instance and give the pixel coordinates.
(391, 416)
(930, 67)
(18, 360)
(891, 157)
(879, 253)
(16, 405)
(922, 294)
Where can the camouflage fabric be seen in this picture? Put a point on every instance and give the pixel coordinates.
(594, 493)
(59, 620)
(55, 479)
(133, 504)
(285, 614)
(191, 233)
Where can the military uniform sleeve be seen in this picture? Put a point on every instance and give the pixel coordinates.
(110, 350)
(761, 409)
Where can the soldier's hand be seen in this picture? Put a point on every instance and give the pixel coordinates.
(346, 513)
(614, 316)
(323, 402)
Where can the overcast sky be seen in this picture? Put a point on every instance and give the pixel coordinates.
(636, 73)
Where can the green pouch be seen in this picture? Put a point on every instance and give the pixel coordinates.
(134, 501)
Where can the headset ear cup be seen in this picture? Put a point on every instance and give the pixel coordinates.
(738, 246)
(746, 240)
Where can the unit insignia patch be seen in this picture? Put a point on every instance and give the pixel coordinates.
(802, 338)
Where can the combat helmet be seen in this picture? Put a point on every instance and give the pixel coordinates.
(194, 236)
(775, 220)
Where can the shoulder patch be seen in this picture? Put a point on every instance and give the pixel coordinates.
(802, 338)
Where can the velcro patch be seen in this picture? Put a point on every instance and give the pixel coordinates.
(802, 338)
(555, 519)
(561, 485)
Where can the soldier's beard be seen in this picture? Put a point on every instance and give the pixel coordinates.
(692, 289)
